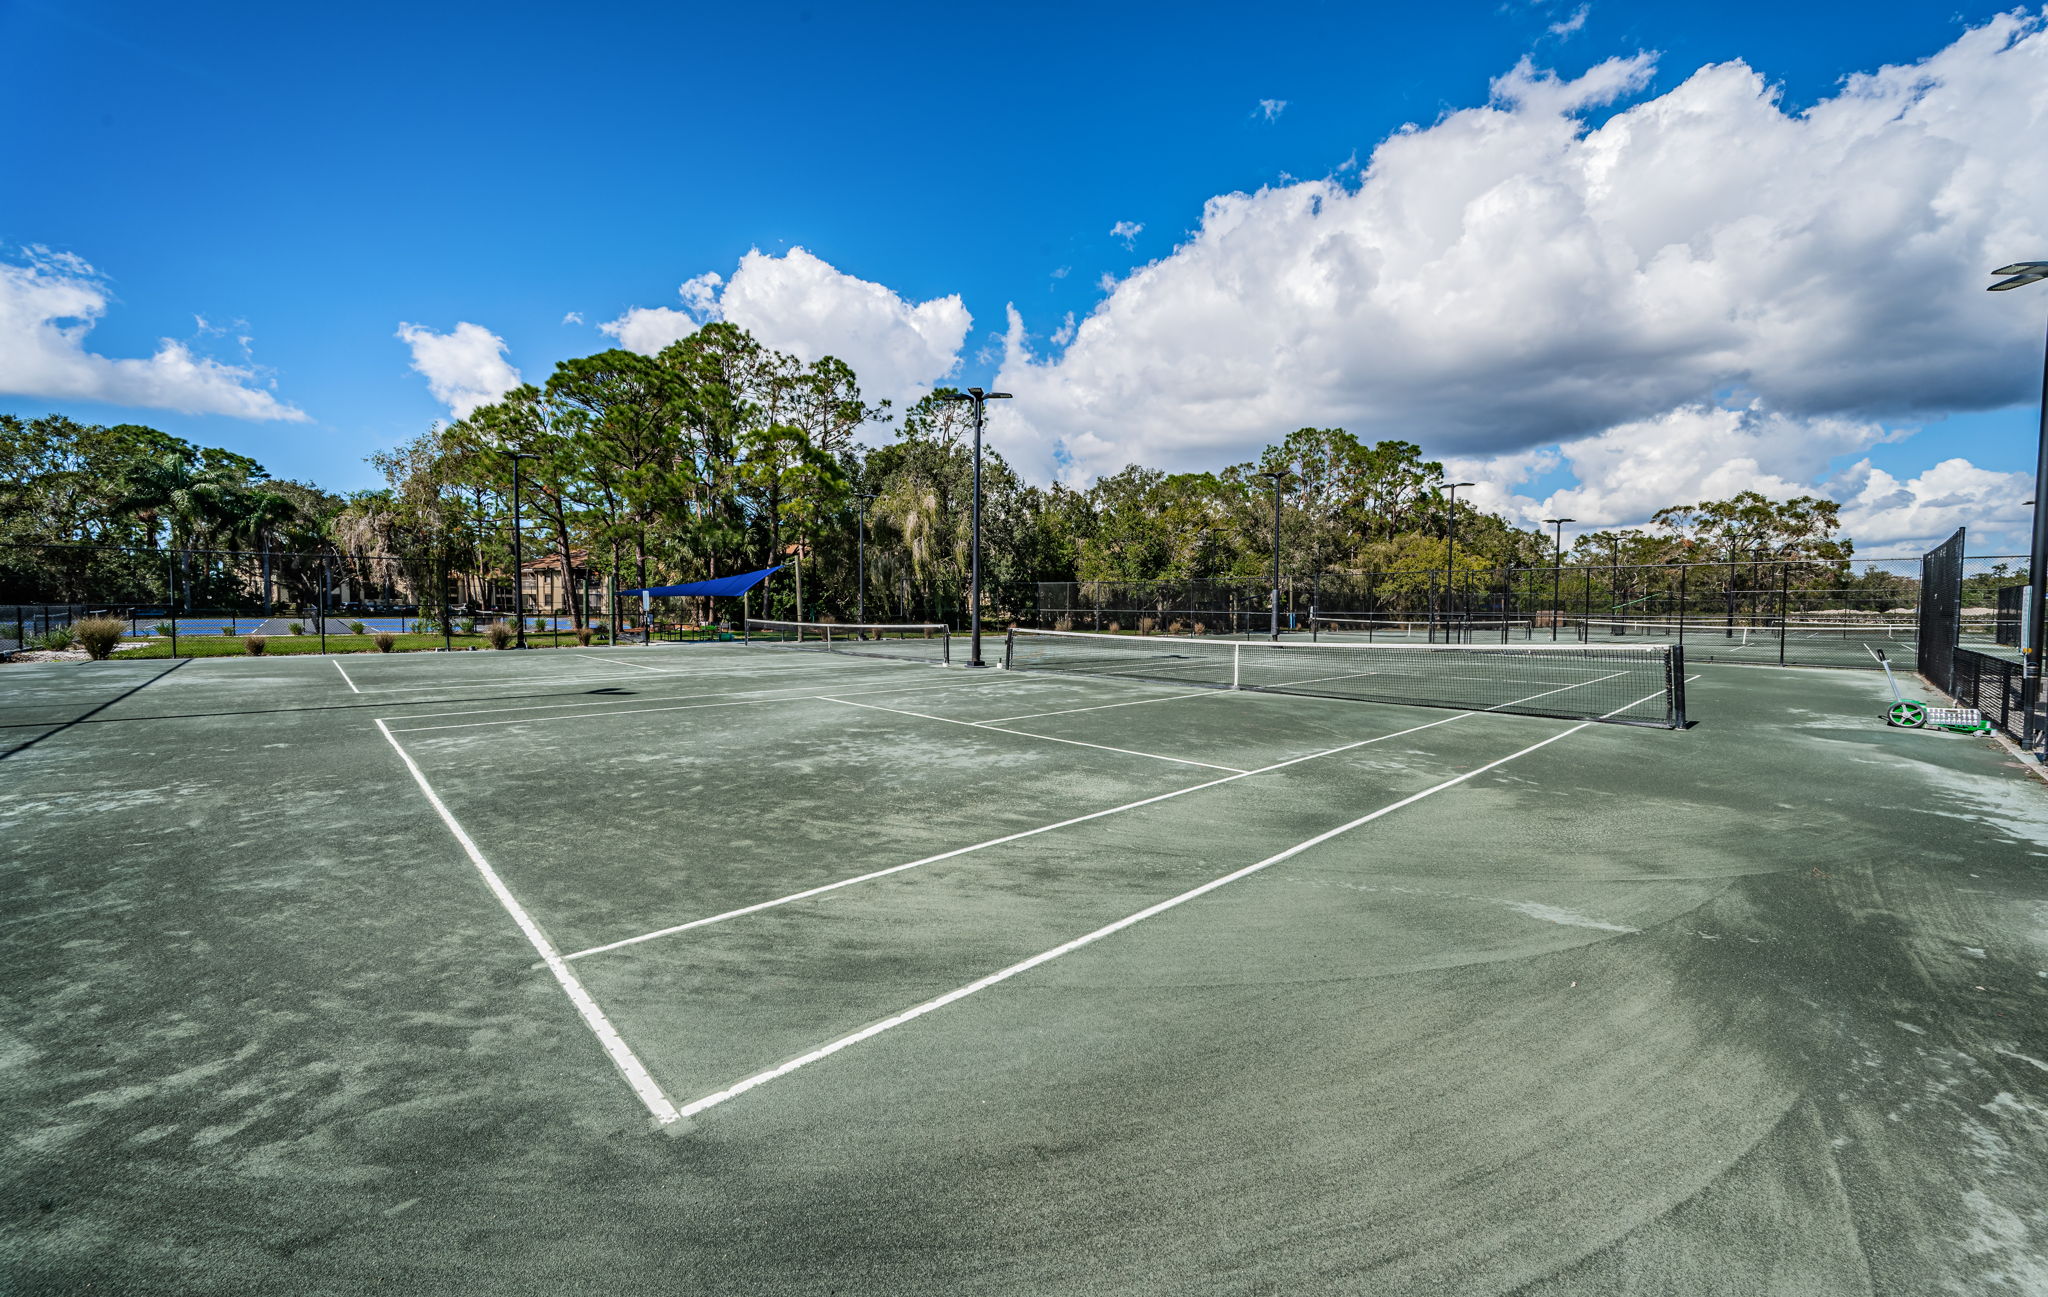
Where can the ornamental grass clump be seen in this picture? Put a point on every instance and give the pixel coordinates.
(98, 635)
(254, 645)
(385, 641)
(500, 635)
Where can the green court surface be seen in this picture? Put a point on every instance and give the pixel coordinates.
(736, 970)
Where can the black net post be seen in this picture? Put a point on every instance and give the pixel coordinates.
(1941, 599)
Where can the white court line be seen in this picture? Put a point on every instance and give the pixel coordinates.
(1102, 707)
(824, 1051)
(510, 682)
(709, 673)
(802, 691)
(344, 674)
(565, 679)
(806, 696)
(623, 663)
(983, 725)
(807, 893)
(615, 1046)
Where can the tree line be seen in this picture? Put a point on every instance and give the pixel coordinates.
(720, 455)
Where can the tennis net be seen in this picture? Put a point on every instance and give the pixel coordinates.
(1594, 629)
(911, 642)
(1372, 628)
(1628, 684)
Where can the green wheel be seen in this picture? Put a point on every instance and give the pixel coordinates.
(1909, 715)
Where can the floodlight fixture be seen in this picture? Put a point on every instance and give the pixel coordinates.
(2022, 272)
(979, 399)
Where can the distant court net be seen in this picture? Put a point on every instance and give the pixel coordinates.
(1596, 629)
(912, 642)
(1627, 684)
(1374, 628)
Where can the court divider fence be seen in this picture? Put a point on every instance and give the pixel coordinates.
(1755, 608)
(1788, 612)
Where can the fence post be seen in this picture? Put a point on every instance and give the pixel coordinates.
(1784, 608)
(320, 613)
(1681, 605)
(171, 572)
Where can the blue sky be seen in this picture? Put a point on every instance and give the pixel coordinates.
(308, 180)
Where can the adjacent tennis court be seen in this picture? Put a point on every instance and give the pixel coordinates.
(744, 969)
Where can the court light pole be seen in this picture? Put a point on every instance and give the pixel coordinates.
(1451, 554)
(1557, 575)
(2021, 274)
(518, 564)
(1277, 477)
(979, 399)
(860, 597)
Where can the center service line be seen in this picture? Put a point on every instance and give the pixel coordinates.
(615, 1046)
(344, 674)
(983, 725)
(824, 1051)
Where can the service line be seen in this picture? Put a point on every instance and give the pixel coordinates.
(615, 1046)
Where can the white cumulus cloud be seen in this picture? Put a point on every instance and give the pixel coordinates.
(647, 329)
(464, 368)
(1128, 231)
(803, 305)
(1514, 286)
(50, 301)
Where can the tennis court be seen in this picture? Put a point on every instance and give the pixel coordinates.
(740, 969)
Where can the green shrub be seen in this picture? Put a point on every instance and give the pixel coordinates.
(601, 627)
(500, 635)
(56, 639)
(540, 623)
(165, 629)
(297, 628)
(355, 628)
(385, 641)
(469, 625)
(254, 645)
(98, 635)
